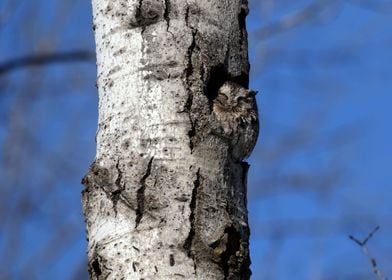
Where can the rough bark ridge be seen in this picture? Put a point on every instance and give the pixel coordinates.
(165, 198)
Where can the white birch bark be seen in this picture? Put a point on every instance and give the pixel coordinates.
(164, 198)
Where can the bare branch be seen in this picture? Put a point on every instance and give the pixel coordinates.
(363, 245)
(370, 235)
(44, 59)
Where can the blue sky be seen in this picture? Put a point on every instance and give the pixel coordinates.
(320, 171)
(331, 74)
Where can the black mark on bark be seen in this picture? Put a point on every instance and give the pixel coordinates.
(147, 13)
(143, 17)
(134, 266)
(140, 194)
(115, 197)
(136, 249)
(171, 260)
(96, 267)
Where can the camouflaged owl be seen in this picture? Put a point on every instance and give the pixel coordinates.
(236, 114)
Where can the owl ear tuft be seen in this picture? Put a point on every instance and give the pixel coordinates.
(252, 92)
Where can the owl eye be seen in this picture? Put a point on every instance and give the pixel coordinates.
(242, 99)
(222, 96)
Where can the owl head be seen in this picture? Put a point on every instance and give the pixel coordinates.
(233, 97)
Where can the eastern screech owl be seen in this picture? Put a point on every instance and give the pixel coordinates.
(235, 111)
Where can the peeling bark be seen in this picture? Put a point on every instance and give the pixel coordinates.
(165, 197)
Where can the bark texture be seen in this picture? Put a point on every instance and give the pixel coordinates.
(165, 198)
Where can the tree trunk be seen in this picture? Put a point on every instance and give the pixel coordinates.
(166, 195)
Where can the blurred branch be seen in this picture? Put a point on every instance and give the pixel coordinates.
(363, 245)
(44, 59)
(309, 12)
(375, 6)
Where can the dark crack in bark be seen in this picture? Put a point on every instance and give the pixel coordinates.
(244, 11)
(140, 194)
(230, 252)
(166, 14)
(187, 16)
(191, 134)
(115, 195)
(245, 169)
(191, 49)
(188, 104)
(99, 178)
(192, 218)
(229, 256)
